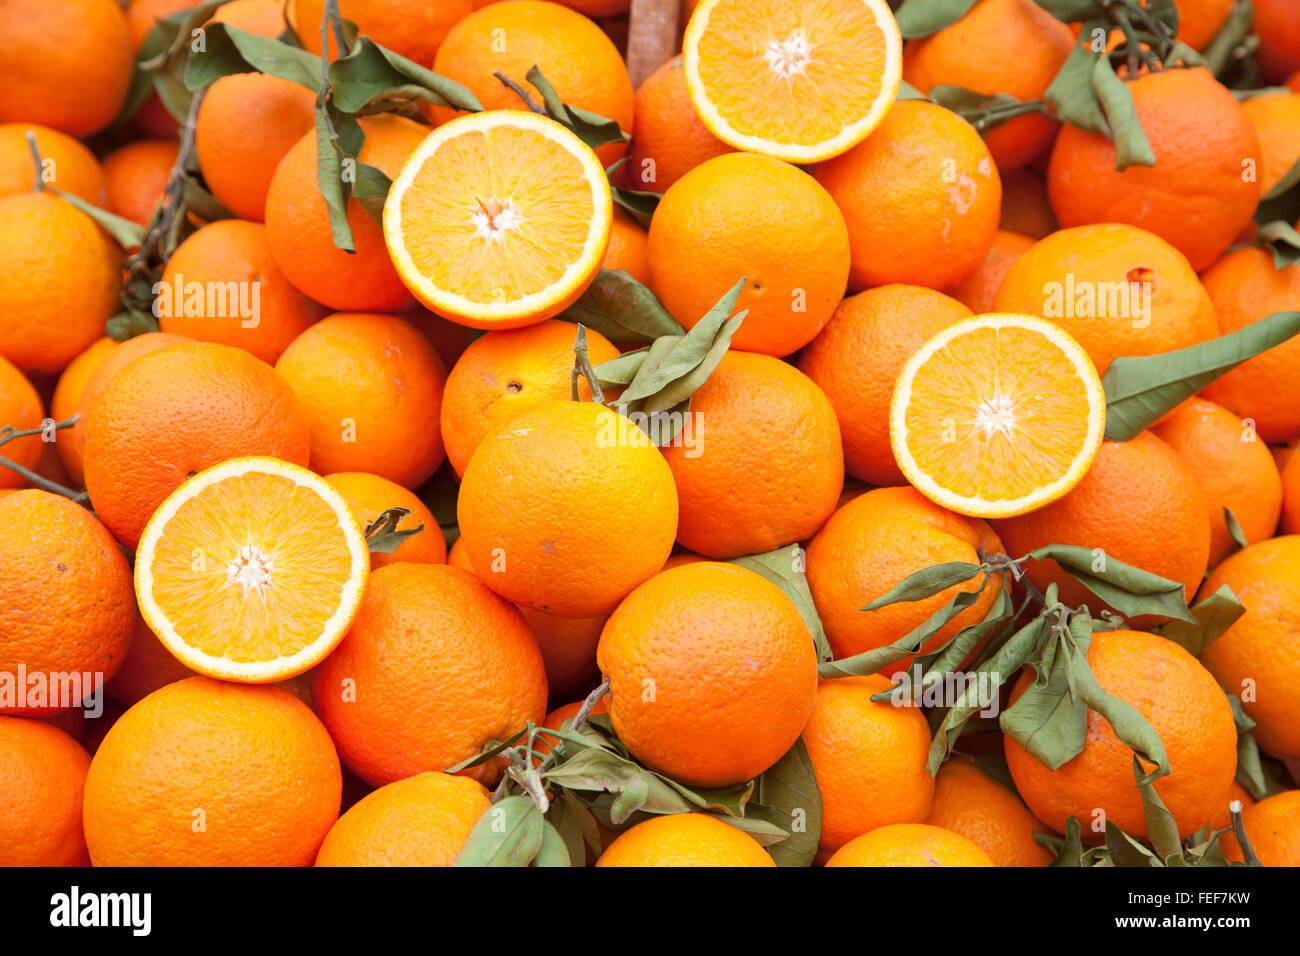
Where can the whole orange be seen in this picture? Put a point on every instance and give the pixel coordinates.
(72, 380)
(143, 15)
(1277, 122)
(627, 248)
(1273, 829)
(369, 496)
(668, 137)
(42, 772)
(137, 176)
(910, 844)
(968, 802)
(67, 164)
(979, 290)
(21, 409)
(1200, 20)
(1279, 38)
(411, 28)
(685, 839)
(263, 17)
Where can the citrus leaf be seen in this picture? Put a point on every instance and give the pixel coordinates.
(621, 309)
(1234, 529)
(1282, 202)
(1220, 52)
(1049, 719)
(228, 50)
(1250, 769)
(1132, 148)
(784, 567)
(1070, 11)
(1072, 94)
(983, 111)
(926, 583)
(126, 232)
(1069, 851)
(508, 834)
(554, 849)
(382, 536)
(490, 751)
(1284, 239)
(906, 91)
(1124, 851)
(633, 787)
(764, 832)
(1127, 589)
(964, 642)
(371, 72)
(1214, 616)
(920, 18)
(786, 795)
(591, 128)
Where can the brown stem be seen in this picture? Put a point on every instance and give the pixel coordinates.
(589, 704)
(582, 366)
(1239, 831)
(523, 94)
(9, 433)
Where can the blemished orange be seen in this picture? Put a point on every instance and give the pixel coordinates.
(668, 137)
(731, 664)
(148, 665)
(1025, 206)
(873, 542)
(1291, 494)
(973, 54)
(1245, 286)
(411, 28)
(67, 164)
(764, 466)
(1276, 119)
(1179, 698)
(369, 496)
(42, 772)
(1273, 829)
(435, 665)
(627, 248)
(247, 122)
(921, 197)
(46, 245)
(567, 508)
(972, 804)
(66, 65)
(1258, 657)
(742, 216)
(82, 626)
(1233, 466)
(20, 409)
(1279, 39)
(856, 358)
(1140, 504)
(223, 285)
(910, 844)
(979, 290)
(1117, 289)
(869, 758)
(685, 839)
(370, 385)
(252, 765)
(170, 414)
(136, 176)
(297, 223)
(423, 820)
(1195, 196)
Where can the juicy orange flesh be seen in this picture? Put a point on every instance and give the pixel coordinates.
(792, 71)
(526, 191)
(274, 530)
(997, 414)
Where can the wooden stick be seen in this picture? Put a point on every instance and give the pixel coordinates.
(652, 36)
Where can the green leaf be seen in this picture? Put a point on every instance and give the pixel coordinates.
(591, 128)
(926, 583)
(382, 536)
(1072, 94)
(1070, 11)
(1220, 53)
(1127, 589)
(1049, 719)
(920, 18)
(554, 848)
(1250, 769)
(490, 751)
(509, 833)
(983, 111)
(786, 795)
(622, 310)
(1132, 148)
(1282, 202)
(1214, 616)
(1070, 850)
(229, 50)
(1125, 851)
(784, 567)
(1234, 529)
(371, 73)
(906, 91)
(1283, 239)
(126, 232)
(633, 787)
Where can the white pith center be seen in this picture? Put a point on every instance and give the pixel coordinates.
(251, 569)
(995, 416)
(493, 218)
(789, 57)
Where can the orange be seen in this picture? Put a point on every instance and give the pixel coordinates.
(137, 176)
(298, 228)
(263, 17)
(435, 665)
(873, 542)
(72, 382)
(869, 758)
(247, 123)
(1233, 466)
(1115, 288)
(147, 666)
(856, 358)
(988, 814)
(499, 219)
(1195, 196)
(685, 839)
(411, 28)
(1279, 39)
(1291, 492)
(369, 496)
(42, 771)
(1273, 829)
(1140, 503)
(1258, 658)
(921, 196)
(1025, 206)
(1200, 20)
(911, 844)
(423, 820)
(668, 137)
(47, 245)
(67, 164)
(761, 466)
(143, 15)
(204, 773)
(1277, 122)
(567, 508)
(979, 290)
(370, 386)
(1245, 287)
(741, 216)
(21, 409)
(68, 609)
(627, 249)
(712, 673)
(173, 413)
(66, 65)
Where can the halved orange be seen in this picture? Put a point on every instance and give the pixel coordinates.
(799, 80)
(251, 570)
(499, 219)
(997, 415)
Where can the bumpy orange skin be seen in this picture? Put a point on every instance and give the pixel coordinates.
(685, 839)
(42, 773)
(21, 409)
(68, 165)
(1279, 39)
(627, 249)
(712, 673)
(369, 496)
(423, 820)
(869, 759)
(858, 356)
(69, 603)
(921, 197)
(1273, 829)
(763, 466)
(1179, 698)
(979, 290)
(1259, 656)
(988, 814)
(873, 542)
(1195, 196)
(148, 665)
(205, 773)
(911, 844)
(371, 387)
(434, 666)
(745, 216)
(136, 177)
(1277, 122)
(668, 137)
(174, 412)
(411, 28)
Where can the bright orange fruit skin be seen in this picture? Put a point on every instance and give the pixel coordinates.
(136, 177)
(979, 290)
(411, 28)
(369, 496)
(1273, 829)
(986, 813)
(668, 137)
(21, 409)
(42, 774)
(685, 839)
(910, 844)
(69, 165)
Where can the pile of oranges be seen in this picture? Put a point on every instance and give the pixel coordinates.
(868, 439)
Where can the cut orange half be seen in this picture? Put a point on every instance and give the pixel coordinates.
(997, 415)
(499, 219)
(251, 570)
(799, 80)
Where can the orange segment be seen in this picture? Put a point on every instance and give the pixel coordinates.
(499, 219)
(997, 415)
(799, 80)
(251, 570)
